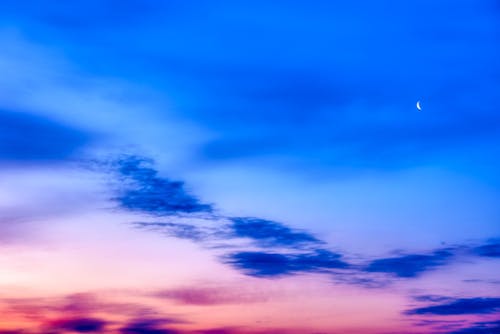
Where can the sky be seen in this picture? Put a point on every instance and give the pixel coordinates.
(249, 167)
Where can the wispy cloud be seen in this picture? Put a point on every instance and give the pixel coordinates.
(488, 250)
(281, 249)
(483, 327)
(144, 191)
(88, 313)
(181, 230)
(85, 313)
(260, 232)
(72, 306)
(79, 325)
(205, 296)
(148, 326)
(440, 325)
(459, 306)
(284, 251)
(148, 193)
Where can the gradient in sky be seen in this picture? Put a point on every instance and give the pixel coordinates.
(227, 167)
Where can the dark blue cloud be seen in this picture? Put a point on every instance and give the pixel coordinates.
(147, 326)
(144, 191)
(479, 305)
(488, 250)
(270, 233)
(27, 137)
(262, 264)
(151, 194)
(80, 325)
(270, 236)
(262, 232)
(411, 265)
(486, 327)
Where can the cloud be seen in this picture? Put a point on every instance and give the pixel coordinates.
(487, 281)
(146, 192)
(77, 313)
(277, 243)
(411, 265)
(65, 309)
(264, 234)
(459, 306)
(27, 137)
(486, 327)
(196, 296)
(204, 296)
(180, 230)
(269, 233)
(80, 325)
(273, 239)
(217, 331)
(262, 264)
(147, 326)
(440, 325)
(488, 250)
(432, 298)
(261, 232)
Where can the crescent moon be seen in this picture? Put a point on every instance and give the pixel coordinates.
(418, 106)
